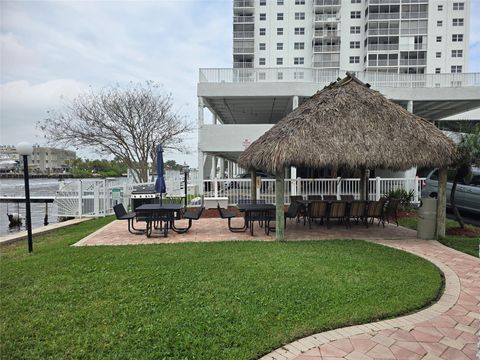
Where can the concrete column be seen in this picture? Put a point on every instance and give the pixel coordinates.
(222, 168)
(294, 102)
(293, 176)
(200, 118)
(410, 106)
(213, 172)
(200, 122)
(230, 169)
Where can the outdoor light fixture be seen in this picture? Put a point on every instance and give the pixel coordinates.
(25, 149)
(186, 170)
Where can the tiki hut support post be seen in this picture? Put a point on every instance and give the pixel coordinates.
(253, 186)
(442, 202)
(362, 186)
(280, 210)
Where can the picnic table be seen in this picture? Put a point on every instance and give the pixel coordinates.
(263, 213)
(158, 217)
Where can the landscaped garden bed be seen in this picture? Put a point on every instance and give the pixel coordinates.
(226, 300)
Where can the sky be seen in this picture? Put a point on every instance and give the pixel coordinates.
(51, 51)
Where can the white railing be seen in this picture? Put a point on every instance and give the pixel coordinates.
(239, 190)
(326, 48)
(326, 33)
(326, 76)
(243, 19)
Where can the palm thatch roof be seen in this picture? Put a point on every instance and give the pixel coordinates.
(347, 124)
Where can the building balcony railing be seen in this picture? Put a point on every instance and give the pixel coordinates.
(412, 62)
(326, 64)
(326, 33)
(384, 2)
(391, 31)
(243, 65)
(414, 31)
(383, 16)
(396, 47)
(327, 17)
(327, 2)
(326, 76)
(415, 15)
(243, 50)
(243, 19)
(243, 3)
(383, 62)
(243, 34)
(326, 48)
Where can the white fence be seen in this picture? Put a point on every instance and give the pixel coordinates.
(239, 190)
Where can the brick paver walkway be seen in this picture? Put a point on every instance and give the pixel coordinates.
(447, 330)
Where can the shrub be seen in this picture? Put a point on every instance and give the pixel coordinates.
(403, 195)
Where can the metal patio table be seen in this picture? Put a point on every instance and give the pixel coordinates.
(258, 212)
(159, 216)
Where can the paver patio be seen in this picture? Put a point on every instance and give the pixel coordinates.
(449, 329)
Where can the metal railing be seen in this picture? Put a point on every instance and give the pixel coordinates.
(326, 33)
(326, 48)
(243, 3)
(243, 34)
(326, 64)
(243, 19)
(243, 50)
(415, 15)
(327, 2)
(391, 62)
(239, 190)
(384, 31)
(326, 76)
(327, 17)
(390, 47)
(383, 16)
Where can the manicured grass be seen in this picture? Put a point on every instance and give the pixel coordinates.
(230, 300)
(467, 245)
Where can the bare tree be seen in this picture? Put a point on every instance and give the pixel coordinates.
(125, 122)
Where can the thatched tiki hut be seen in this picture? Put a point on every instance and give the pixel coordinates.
(347, 124)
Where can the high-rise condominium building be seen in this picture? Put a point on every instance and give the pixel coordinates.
(395, 36)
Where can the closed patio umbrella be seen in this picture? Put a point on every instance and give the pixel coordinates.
(160, 182)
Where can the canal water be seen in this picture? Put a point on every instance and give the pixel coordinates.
(38, 187)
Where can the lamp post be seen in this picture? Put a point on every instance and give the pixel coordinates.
(186, 170)
(24, 149)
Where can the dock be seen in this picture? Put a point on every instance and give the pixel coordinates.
(21, 199)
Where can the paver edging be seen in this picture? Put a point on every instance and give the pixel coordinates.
(443, 304)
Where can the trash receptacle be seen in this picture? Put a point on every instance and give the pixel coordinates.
(427, 219)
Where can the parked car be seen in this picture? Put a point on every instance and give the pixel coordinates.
(467, 196)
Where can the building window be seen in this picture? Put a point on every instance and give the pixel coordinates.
(440, 7)
(356, 1)
(354, 29)
(458, 6)
(354, 44)
(299, 46)
(262, 46)
(279, 61)
(280, 76)
(298, 75)
(457, 37)
(263, 16)
(299, 2)
(261, 76)
(299, 16)
(439, 39)
(263, 2)
(261, 61)
(354, 60)
(457, 22)
(457, 53)
(279, 2)
(279, 31)
(279, 46)
(439, 23)
(355, 14)
(299, 31)
(298, 61)
(263, 31)
(437, 70)
(438, 54)
(279, 16)
(456, 69)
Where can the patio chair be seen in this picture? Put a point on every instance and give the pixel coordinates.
(317, 210)
(338, 210)
(329, 197)
(224, 214)
(347, 197)
(391, 210)
(302, 212)
(376, 211)
(121, 214)
(189, 215)
(314, 197)
(293, 210)
(358, 211)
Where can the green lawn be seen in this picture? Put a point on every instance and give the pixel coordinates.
(229, 300)
(468, 245)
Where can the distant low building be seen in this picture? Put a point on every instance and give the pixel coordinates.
(47, 159)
